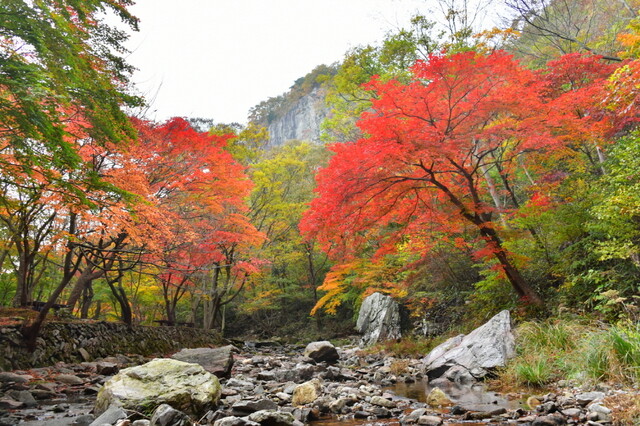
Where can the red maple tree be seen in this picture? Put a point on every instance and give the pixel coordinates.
(426, 163)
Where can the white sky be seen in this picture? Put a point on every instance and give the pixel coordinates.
(218, 58)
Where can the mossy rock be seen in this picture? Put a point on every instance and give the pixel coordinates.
(184, 386)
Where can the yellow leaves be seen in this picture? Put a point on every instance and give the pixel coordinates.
(489, 40)
(631, 40)
(359, 278)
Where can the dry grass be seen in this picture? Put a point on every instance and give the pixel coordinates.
(399, 367)
(625, 408)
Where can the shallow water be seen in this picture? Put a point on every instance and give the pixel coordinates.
(473, 398)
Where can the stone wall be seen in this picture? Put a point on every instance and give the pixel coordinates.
(64, 341)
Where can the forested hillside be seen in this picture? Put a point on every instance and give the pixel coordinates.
(462, 170)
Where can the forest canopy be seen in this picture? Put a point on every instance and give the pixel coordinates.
(478, 170)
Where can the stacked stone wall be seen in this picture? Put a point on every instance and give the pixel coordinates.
(77, 342)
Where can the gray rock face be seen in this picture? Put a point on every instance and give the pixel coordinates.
(186, 387)
(322, 351)
(485, 348)
(378, 319)
(215, 360)
(301, 122)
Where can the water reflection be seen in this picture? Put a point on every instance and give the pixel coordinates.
(471, 397)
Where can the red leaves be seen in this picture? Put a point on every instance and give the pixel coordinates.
(428, 141)
(442, 150)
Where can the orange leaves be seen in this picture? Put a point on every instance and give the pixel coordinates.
(199, 191)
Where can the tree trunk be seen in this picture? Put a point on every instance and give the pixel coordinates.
(519, 284)
(84, 280)
(87, 299)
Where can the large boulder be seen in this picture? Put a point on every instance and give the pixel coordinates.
(215, 360)
(185, 387)
(473, 356)
(378, 319)
(322, 351)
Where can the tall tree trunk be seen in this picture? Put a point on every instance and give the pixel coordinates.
(31, 331)
(84, 280)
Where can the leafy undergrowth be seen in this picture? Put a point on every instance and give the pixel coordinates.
(574, 350)
(17, 316)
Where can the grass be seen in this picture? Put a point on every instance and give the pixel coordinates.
(555, 350)
(408, 347)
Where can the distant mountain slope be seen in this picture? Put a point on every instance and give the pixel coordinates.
(298, 113)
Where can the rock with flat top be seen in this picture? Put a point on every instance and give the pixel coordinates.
(215, 360)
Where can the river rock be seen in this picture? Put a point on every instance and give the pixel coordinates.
(69, 379)
(378, 319)
(110, 416)
(234, 421)
(587, 397)
(272, 418)
(306, 392)
(9, 377)
(429, 420)
(437, 398)
(215, 360)
(186, 387)
(166, 415)
(382, 402)
(242, 408)
(322, 351)
(482, 350)
(25, 397)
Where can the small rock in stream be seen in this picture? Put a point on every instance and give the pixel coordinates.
(166, 415)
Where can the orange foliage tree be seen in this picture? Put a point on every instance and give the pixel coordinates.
(201, 190)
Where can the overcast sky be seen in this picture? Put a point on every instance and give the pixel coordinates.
(218, 58)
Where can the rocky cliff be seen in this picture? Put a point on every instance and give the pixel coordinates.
(301, 121)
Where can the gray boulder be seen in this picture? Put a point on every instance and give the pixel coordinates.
(322, 351)
(215, 360)
(482, 350)
(185, 387)
(378, 319)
